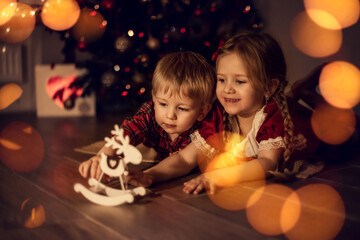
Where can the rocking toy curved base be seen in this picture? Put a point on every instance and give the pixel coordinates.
(113, 196)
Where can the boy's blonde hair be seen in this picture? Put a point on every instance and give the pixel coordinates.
(186, 73)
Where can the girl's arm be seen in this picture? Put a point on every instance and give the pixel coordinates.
(176, 165)
(247, 171)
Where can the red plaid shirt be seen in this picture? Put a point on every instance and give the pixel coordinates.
(142, 128)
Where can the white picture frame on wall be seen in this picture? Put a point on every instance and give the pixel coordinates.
(46, 106)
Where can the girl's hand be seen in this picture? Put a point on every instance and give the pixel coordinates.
(208, 181)
(195, 185)
(91, 166)
(198, 184)
(139, 178)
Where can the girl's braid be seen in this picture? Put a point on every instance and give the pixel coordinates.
(227, 126)
(280, 98)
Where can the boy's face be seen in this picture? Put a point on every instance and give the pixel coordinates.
(176, 113)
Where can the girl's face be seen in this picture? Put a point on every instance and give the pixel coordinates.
(234, 89)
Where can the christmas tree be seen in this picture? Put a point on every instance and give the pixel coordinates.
(134, 34)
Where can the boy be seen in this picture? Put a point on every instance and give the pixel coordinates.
(183, 87)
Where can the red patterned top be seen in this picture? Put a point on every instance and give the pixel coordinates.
(267, 131)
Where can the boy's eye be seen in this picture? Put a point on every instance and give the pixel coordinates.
(162, 104)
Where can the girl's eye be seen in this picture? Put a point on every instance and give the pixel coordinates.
(183, 109)
(221, 80)
(163, 104)
(240, 81)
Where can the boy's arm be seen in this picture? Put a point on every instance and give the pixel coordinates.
(91, 166)
(176, 165)
(135, 127)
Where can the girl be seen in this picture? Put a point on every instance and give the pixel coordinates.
(251, 79)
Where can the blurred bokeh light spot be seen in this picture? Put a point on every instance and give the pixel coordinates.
(313, 40)
(9, 144)
(346, 12)
(20, 26)
(7, 10)
(9, 93)
(333, 125)
(322, 213)
(60, 15)
(339, 84)
(265, 209)
(89, 27)
(21, 147)
(33, 215)
(235, 197)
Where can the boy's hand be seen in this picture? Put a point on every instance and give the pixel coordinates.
(139, 178)
(91, 166)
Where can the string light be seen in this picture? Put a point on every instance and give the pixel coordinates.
(131, 33)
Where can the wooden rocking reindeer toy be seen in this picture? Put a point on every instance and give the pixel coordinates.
(104, 195)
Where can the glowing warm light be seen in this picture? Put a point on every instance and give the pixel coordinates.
(234, 176)
(60, 15)
(9, 93)
(131, 33)
(322, 213)
(290, 212)
(313, 40)
(33, 215)
(89, 27)
(20, 26)
(9, 144)
(153, 43)
(333, 125)
(339, 84)
(21, 147)
(335, 14)
(7, 10)
(117, 68)
(235, 197)
(265, 209)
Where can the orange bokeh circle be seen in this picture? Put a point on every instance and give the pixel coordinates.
(7, 10)
(60, 15)
(265, 210)
(20, 26)
(9, 93)
(313, 40)
(344, 12)
(90, 26)
(322, 213)
(21, 147)
(339, 84)
(333, 125)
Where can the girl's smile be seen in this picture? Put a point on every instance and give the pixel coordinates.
(235, 89)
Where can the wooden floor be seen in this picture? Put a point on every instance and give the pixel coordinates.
(165, 212)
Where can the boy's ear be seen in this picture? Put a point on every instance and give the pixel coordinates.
(274, 85)
(204, 111)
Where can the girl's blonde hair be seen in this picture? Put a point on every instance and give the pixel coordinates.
(264, 60)
(185, 73)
